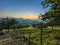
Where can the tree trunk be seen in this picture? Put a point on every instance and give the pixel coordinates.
(1, 28)
(52, 27)
(29, 38)
(8, 26)
(14, 29)
(41, 36)
(8, 29)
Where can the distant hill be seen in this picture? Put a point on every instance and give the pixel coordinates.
(28, 21)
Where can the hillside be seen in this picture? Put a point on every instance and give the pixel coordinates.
(21, 37)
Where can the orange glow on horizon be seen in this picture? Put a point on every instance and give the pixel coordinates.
(31, 17)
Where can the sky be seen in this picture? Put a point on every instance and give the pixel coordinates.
(27, 9)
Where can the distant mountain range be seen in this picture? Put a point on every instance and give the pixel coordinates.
(29, 22)
(26, 21)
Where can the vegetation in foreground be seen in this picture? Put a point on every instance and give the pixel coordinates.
(28, 36)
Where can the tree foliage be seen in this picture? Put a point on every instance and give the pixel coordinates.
(54, 11)
(7, 23)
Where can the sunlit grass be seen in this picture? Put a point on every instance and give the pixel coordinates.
(48, 35)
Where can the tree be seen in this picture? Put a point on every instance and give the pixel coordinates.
(54, 11)
(51, 23)
(29, 38)
(40, 26)
(7, 23)
(14, 23)
(0, 26)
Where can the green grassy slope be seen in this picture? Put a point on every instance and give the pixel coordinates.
(21, 36)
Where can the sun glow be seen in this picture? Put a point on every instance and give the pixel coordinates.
(32, 17)
(24, 15)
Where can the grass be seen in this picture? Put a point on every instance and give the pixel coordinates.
(48, 36)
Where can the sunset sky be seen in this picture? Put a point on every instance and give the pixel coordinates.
(27, 9)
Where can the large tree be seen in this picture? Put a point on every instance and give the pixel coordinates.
(54, 11)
